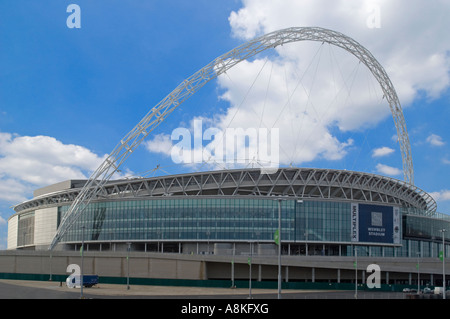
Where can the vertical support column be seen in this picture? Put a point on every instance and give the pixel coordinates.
(409, 248)
(259, 272)
(286, 269)
(313, 274)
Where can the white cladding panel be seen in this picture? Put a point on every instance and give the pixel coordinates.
(12, 232)
(45, 221)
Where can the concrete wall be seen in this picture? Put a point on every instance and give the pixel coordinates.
(102, 264)
(203, 267)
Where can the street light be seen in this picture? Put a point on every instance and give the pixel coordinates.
(128, 266)
(356, 272)
(250, 260)
(443, 264)
(82, 257)
(278, 240)
(418, 272)
(232, 267)
(279, 248)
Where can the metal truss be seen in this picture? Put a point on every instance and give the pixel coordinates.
(295, 183)
(211, 71)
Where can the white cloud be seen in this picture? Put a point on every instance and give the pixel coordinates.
(303, 121)
(210, 146)
(313, 91)
(334, 91)
(443, 195)
(161, 143)
(382, 151)
(28, 162)
(388, 170)
(2, 221)
(414, 54)
(435, 140)
(13, 191)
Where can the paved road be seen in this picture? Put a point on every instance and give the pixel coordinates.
(16, 289)
(172, 301)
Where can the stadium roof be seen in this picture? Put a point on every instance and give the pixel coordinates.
(300, 183)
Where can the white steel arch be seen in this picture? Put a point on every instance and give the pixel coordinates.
(211, 71)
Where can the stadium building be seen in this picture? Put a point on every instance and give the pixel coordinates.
(324, 223)
(330, 214)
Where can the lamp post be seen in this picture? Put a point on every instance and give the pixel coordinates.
(443, 263)
(277, 238)
(279, 248)
(356, 272)
(418, 272)
(232, 267)
(50, 279)
(250, 259)
(82, 257)
(128, 266)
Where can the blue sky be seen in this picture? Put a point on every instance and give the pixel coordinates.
(68, 95)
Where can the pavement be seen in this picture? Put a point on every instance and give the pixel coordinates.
(116, 290)
(26, 289)
(217, 302)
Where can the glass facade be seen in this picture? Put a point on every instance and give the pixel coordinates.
(323, 221)
(212, 219)
(308, 227)
(425, 227)
(224, 219)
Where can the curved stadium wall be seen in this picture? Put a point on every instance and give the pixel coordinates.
(323, 212)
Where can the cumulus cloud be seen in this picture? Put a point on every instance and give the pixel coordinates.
(161, 143)
(388, 170)
(12, 190)
(435, 140)
(312, 92)
(442, 198)
(27, 162)
(200, 146)
(317, 88)
(414, 54)
(382, 151)
(443, 195)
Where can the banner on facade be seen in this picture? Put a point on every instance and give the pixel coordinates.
(375, 224)
(355, 223)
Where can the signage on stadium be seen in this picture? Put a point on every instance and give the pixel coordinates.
(375, 224)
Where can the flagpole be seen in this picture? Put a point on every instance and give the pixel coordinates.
(250, 272)
(356, 272)
(418, 272)
(279, 248)
(443, 263)
(82, 257)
